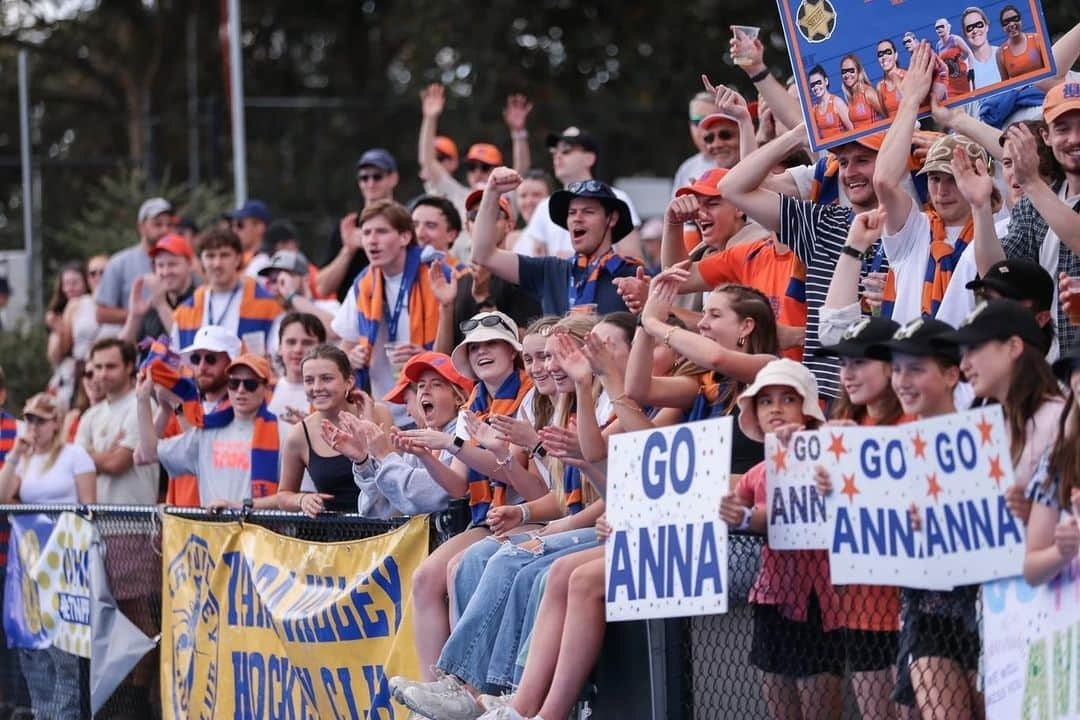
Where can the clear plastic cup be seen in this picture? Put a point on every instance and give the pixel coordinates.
(745, 43)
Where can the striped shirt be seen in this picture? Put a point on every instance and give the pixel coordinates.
(816, 233)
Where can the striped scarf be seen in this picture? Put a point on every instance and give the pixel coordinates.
(165, 370)
(258, 309)
(485, 493)
(716, 398)
(940, 265)
(585, 274)
(264, 447)
(371, 306)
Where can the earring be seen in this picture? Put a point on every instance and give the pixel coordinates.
(741, 341)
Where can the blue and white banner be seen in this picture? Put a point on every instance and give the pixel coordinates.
(798, 517)
(667, 555)
(22, 606)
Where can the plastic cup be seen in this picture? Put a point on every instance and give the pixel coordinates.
(391, 349)
(583, 309)
(750, 32)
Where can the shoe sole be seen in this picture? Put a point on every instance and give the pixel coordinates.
(405, 701)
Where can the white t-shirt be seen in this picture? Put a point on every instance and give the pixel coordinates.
(288, 394)
(556, 240)
(220, 458)
(382, 374)
(223, 308)
(99, 427)
(908, 252)
(331, 307)
(57, 484)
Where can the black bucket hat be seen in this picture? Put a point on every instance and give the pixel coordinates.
(559, 205)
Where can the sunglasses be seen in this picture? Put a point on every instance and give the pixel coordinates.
(33, 419)
(486, 321)
(718, 135)
(1010, 20)
(883, 53)
(939, 27)
(478, 166)
(585, 186)
(847, 71)
(250, 384)
(977, 25)
(199, 358)
(370, 177)
(816, 83)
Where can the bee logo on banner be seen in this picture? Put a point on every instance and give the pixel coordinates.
(667, 555)
(850, 57)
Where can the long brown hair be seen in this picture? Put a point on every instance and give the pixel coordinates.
(747, 302)
(1065, 457)
(59, 300)
(543, 407)
(1032, 383)
(843, 409)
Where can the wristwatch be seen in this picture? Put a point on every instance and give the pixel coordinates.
(455, 448)
(852, 252)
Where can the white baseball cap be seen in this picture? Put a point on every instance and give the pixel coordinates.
(153, 207)
(214, 338)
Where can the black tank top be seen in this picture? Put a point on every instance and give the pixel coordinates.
(333, 476)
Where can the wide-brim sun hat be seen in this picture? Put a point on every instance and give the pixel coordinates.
(500, 327)
(559, 205)
(787, 373)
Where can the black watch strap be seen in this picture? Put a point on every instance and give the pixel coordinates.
(852, 252)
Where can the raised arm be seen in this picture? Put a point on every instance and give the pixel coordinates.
(485, 250)
(730, 102)
(445, 291)
(515, 115)
(975, 184)
(1066, 50)
(148, 437)
(742, 184)
(844, 286)
(1061, 218)
(646, 389)
(330, 277)
(958, 121)
(785, 108)
(432, 103)
(892, 161)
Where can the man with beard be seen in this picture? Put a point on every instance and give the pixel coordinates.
(1044, 225)
(208, 355)
(154, 222)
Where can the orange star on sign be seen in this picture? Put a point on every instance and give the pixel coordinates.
(920, 445)
(837, 446)
(995, 470)
(779, 458)
(984, 430)
(933, 488)
(849, 488)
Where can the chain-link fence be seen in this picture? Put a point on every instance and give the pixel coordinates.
(753, 662)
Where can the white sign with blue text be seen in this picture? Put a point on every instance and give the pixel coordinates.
(667, 554)
(798, 517)
(954, 470)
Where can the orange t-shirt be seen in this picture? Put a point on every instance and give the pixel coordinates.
(781, 277)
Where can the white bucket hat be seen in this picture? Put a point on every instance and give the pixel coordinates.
(787, 373)
(481, 327)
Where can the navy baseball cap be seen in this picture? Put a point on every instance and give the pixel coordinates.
(379, 158)
(251, 209)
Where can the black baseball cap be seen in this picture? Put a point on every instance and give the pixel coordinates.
(1018, 280)
(863, 339)
(917, 338)
(574, 136)
(997, 319)
(378, 158)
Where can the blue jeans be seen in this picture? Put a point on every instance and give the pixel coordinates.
(531, 611)
(469, 650)
(52, 677)
(471, 569)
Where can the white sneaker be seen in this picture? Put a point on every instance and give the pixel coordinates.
(436, 702)
(398, 683)
(490, 702)
(503, 712)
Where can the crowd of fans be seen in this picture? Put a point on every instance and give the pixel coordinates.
(444, 350)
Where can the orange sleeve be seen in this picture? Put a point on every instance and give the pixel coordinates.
(726, 266)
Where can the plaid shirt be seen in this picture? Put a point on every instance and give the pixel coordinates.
(1027, 231)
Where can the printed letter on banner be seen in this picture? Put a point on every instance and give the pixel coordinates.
(257, 624)
(1031, 647)
(798, 517)
(954, 469)
(667, 555)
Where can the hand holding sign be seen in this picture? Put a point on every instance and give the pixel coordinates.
(1067, 537)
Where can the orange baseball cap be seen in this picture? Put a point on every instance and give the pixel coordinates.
(446, 146)
(474, 199)
(256, 363)
(1061, 99)
(417, 365)
(174, 245)
(485, 153)
(705, 185)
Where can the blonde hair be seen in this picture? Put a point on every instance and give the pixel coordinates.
(577, 327)
(51, 406)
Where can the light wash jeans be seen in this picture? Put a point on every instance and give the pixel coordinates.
(470, 649)
(527, 624)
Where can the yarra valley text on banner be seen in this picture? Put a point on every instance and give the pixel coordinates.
(849, 56)
(256, 624)
(667, 554)
(954, 469)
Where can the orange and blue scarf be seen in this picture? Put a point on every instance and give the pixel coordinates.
(485, 493)
(940, 265)
(715, 398)
(164, 366)
(371, 307)
(585, 274)
(264, 447)
(258, 309)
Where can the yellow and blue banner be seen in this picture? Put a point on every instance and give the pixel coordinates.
(256, 624)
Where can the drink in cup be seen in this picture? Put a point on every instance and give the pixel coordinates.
(744, 42)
